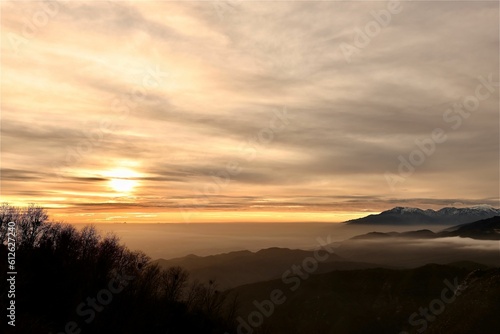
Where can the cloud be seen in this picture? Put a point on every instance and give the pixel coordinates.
(220, 74)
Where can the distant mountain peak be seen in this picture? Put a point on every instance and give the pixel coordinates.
(403, 210)
(445, 216)
(483, 206)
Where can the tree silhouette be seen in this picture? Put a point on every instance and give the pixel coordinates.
(66, 276)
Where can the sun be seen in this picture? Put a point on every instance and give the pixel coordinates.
(122, 186)
(122, 180)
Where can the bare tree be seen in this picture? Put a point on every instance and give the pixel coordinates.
(89, 238)
(174, 281)
(214, 298)
(8, 214)
(232, 307)
(31, 225)
(194, 295)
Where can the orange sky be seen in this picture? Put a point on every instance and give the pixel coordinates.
(239, 111)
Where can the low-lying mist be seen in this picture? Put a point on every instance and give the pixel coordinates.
(409, 253)
(176, 240)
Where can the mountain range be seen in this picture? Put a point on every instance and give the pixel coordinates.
(372, 283)
(415, 216)
(245, 267)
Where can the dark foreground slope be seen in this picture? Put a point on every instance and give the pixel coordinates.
(375, 301)
(477, 310)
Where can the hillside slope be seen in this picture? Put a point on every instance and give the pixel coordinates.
(478, 308)
(374, 301)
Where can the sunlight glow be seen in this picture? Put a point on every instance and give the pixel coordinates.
(122, 179)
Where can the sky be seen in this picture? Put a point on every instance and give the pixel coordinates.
(243, 111)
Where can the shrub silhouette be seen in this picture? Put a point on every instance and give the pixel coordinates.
(61, 269)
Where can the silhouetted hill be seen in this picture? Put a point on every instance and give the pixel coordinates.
(243, 267)
(422, 234)
(488, 229)
(415, 216)
(470, 265)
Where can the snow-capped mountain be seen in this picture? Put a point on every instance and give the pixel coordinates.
(445, 216)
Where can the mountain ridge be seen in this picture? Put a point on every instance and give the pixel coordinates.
(413, 216)
(244, 267)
